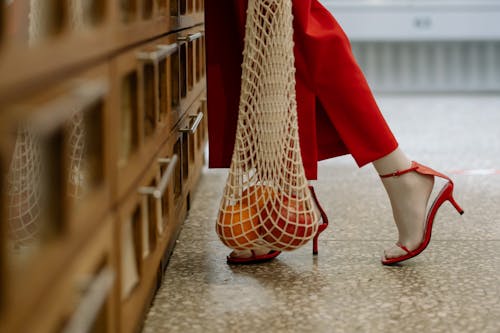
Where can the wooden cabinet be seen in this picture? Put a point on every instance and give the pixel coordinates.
(102, 139)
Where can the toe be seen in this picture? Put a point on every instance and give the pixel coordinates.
(394, 252)
(248, 253)
(241, 254)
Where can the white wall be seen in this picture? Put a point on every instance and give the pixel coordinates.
(424, 45)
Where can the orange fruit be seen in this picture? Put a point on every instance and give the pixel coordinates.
(238, 226)
(256, 196)
(289, 225)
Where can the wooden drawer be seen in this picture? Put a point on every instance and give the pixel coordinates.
(169, 84)
(181, 170)
(31, 24)
(202, 137)
(142, 234)
(192, 130)
(159, 90)
(55, 180)
(192, 75)
(35, 33)
(83, 298)
(173, 200)
(187, 12)
(133, 11)
(139, 20)
(199, 59)
(145, 107)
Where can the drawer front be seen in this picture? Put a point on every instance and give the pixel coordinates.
(168, 162)
(86, 293)
(203, 132)
(192, 64)
(135, 241)
(193, 129)
(187, 9)
(134, 11)
(56, 180)
(34, 33)
(142, 234)
(146, 106)
(142, 19)
(31, 24)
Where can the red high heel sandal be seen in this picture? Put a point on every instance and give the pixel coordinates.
(254, 259)
(446, 194)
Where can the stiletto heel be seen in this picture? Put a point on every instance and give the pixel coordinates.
(454, 203)
(446, 194)
(315, 244)
(324, 220)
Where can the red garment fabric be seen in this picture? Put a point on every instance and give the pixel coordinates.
(337, 113)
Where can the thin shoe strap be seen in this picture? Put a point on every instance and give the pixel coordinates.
(401, 246)
(400, 172)
(422, 169)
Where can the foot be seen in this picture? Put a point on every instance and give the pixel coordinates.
(252, 256)
(409, 195)
(244, 254)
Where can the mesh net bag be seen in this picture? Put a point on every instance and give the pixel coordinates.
(266, 200)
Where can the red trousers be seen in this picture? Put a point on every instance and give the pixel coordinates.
(337, 113)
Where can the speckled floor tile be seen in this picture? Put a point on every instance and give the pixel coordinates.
(454, 286)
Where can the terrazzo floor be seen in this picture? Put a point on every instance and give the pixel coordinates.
(454, 286)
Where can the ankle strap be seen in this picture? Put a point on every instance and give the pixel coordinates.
(414, 167)
(422, 169)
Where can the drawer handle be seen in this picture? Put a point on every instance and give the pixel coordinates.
(168, 49)
(97, 291)
(194, 126)
(51, 115)
(190, 37)
(157, 56)
(157, 192)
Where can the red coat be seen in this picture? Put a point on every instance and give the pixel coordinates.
(337, 113)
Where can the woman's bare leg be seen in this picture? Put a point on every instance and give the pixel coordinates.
(408, 195)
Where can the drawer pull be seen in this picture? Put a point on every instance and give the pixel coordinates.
(157, 56)
(158, 191)
(168, 49)
(97, 290)
(194, 126)
(190, 37)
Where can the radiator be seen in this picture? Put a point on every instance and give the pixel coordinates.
(430, 66)
(424, 46)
